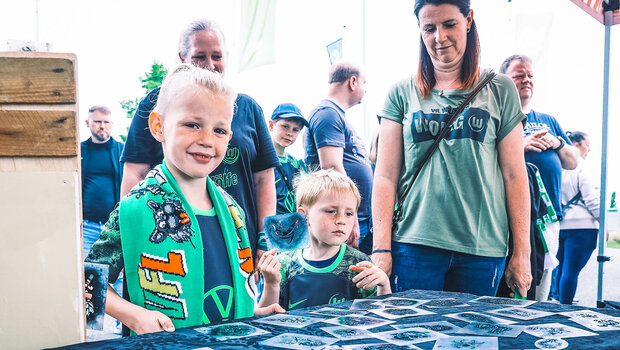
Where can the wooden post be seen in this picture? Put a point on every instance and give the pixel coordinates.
(41, 269)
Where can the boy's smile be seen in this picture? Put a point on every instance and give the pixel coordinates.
(331, 219)
(195, 131)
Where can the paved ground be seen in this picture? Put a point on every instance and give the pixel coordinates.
(586, 289)
(588, 279)
(107, 333)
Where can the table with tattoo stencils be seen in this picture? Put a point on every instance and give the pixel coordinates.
(413, 319)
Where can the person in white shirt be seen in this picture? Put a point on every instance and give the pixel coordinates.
(579, 227)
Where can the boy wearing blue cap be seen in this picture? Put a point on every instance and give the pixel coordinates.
(285, 124)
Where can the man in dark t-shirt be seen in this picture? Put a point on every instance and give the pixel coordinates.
(331, 141)
(101, 176)
(247, 170)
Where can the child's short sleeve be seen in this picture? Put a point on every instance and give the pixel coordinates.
(352, 257)
(108, 250)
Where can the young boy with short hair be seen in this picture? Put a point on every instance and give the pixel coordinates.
(328, 271)
(180, 238)
(285, 125)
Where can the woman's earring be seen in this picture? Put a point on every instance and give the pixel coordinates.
(468, 29)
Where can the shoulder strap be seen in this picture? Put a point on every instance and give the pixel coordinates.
(452, 116)
(576, 198)
(573, 200)
(284, 177)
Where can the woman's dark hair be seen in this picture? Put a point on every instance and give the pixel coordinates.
(469, 70)
(576, 136)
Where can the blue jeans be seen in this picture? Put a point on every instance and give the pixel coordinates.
(90, 234)
(365, 241)
(421, 267)
(576, 247)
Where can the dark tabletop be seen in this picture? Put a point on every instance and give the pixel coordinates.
(188, 338)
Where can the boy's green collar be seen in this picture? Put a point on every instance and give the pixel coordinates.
(302, 261)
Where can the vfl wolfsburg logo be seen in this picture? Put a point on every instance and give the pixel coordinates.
(231, 155)
(476, 123)
(224, 307)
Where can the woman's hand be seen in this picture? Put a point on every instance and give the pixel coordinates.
(371, 275)
(518, 274)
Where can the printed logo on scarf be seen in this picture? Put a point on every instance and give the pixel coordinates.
(161, 294)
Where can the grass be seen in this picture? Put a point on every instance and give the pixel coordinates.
(612, 243)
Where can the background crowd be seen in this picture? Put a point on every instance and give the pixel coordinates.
(461, 188)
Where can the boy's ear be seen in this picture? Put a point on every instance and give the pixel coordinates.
(230, 135)
(156, 127)
(270, 125)
(301, 210)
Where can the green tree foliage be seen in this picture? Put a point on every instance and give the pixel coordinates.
(151, 80)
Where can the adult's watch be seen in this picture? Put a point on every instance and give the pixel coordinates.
(562, 144)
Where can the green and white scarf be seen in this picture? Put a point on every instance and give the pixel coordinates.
(163, 252)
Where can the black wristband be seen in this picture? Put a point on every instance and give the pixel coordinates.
(562, 144)
(381, 251)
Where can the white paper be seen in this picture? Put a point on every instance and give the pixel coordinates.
(472, 343)
(438, 326)
(520, 313)
(298, 341)
(493, 330)
(556, 330)
(358, 321)
(348, 333)
(507, 302)
(477, 317)
(409, 336)
(288, 320)
(395, 313)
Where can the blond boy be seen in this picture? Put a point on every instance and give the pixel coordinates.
(328, 271)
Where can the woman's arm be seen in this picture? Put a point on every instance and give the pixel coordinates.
(264, 185)
(387, 171)
(512, 165)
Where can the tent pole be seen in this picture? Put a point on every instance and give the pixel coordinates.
(601, 258)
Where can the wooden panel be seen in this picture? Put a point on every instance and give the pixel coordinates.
(41, 214)
(40, 249)
(34, 164)
(38, 133)
(30, 78)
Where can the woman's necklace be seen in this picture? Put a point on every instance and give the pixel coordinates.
(441, 90)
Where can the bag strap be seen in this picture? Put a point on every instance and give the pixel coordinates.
(573, 200)
(284, 178)
(576, 198)
(451, 118)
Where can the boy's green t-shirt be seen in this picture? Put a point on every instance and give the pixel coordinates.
(458, 201)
